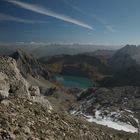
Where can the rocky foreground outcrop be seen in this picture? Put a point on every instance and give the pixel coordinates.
(4, 86)
(26, 115)
(12, 83)
(23, 120)
(27, 120)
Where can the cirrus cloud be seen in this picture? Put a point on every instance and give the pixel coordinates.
(110, 28)
(5, 17)
(107, 26)
(47, 12)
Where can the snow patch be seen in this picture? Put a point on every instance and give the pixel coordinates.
(107, 121)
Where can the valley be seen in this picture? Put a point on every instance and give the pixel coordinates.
(73, 87)
(69, 70)
(110, 70)
(115, 75)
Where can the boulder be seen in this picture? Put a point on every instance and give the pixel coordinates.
(34, 90)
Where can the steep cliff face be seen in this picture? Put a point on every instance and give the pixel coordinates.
(12, 83)
(29, 65)
(17, 84)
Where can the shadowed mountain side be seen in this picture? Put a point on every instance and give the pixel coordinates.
(29, 65)
(125, 68)
(116, 107)
(127, 56)
(78, 65)
(127, 76)
(121, 61)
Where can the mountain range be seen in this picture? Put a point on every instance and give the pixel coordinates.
(48, 50)
(107, 68)
(34, 106)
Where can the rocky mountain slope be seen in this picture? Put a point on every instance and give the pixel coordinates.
(14, 84)
(125, 67)
(29, 65)
(27, 115)
(24, 119)
(132, 50)
(115, 107)
(35, 72)
(125, 57)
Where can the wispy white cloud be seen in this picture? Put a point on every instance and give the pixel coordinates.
(5, 17)
(45, 11)
(89, 33)
(110, 28)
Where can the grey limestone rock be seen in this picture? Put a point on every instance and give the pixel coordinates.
(4, 86)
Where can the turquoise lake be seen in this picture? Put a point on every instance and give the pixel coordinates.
(74, 82)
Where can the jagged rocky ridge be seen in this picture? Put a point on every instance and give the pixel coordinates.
(14, 84)
(29, 65)
(25, 114)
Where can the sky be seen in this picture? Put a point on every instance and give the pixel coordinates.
(105, 22)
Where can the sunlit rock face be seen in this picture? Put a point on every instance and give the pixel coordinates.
(4, 86)
(13, 83)
(18, 85)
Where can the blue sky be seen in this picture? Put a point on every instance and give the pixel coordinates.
(113, 22)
